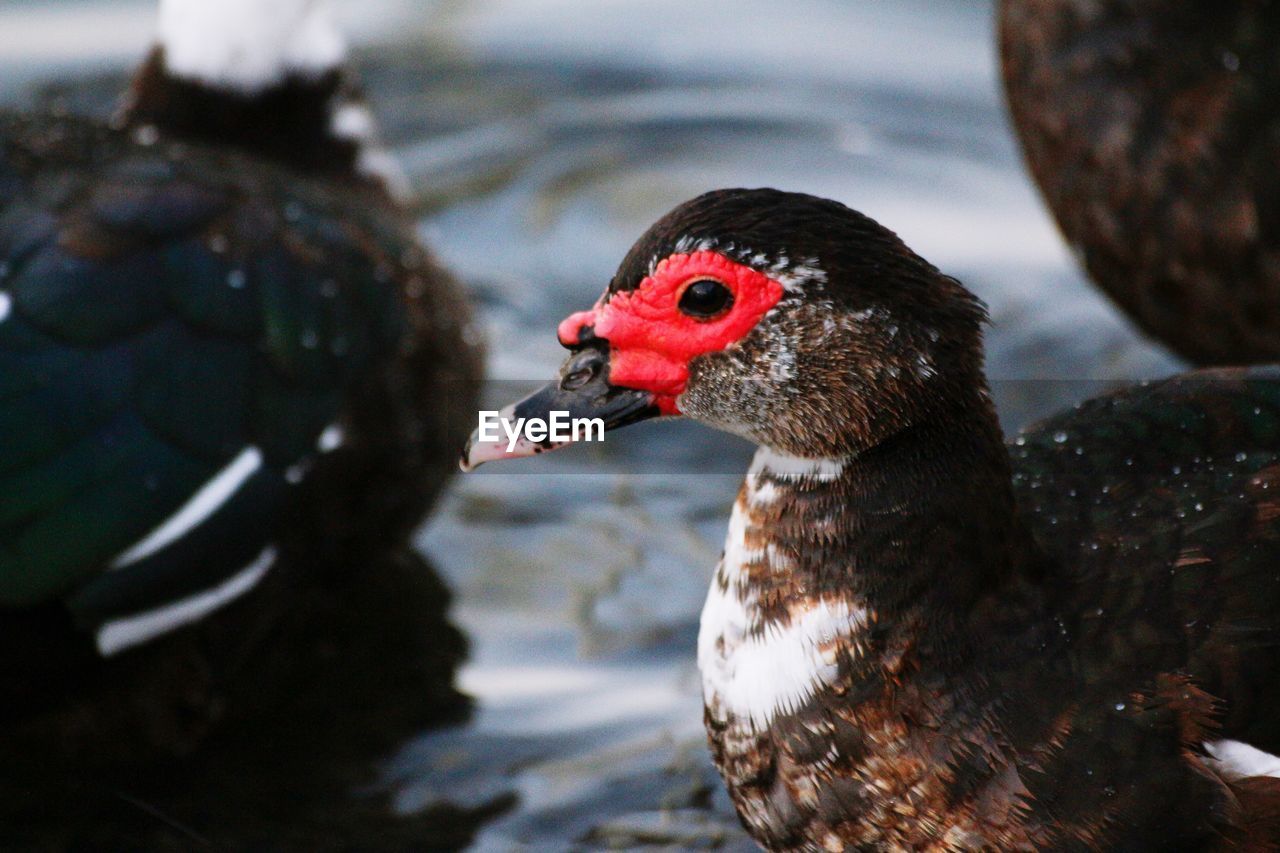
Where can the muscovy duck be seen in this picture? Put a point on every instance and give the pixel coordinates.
(229, 370)
(1153, 130)
(919, 637)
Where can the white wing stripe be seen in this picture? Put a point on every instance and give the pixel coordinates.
(202, 504)
(120, 634)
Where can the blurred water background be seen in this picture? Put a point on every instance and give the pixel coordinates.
(542, 137)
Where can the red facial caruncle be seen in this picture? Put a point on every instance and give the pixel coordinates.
(651, 340)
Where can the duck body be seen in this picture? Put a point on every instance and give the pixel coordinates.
(232, 377)
(918, 637)
(1152, 131)
(1074, 701)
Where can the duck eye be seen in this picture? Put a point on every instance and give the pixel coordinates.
(705, 298)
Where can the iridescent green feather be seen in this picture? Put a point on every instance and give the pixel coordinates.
(168, 309)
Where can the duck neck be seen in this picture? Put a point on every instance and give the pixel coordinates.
(909, 554)
(265, 77)
(929, 520)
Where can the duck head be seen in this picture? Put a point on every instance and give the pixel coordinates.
(264, 76)
(790, 320)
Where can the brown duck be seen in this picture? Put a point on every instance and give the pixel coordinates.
(919, 637)
(1153, 130)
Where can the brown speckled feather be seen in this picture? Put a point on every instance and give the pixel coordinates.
(1066, 704)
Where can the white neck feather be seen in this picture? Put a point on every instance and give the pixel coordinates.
(784, 466)
(248, 45)
(752, 672)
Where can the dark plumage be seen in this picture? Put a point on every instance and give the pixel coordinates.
(919, 637)
(207, 297)
(1153, 130)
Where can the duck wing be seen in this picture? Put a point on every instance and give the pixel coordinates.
(181, 327)
(1161, 507)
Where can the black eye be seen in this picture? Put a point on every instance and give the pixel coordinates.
(705, 298)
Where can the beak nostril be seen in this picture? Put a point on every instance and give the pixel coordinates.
(583, 367)
(578, 378)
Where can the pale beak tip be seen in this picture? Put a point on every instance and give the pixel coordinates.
(465, 463)
(477, 452)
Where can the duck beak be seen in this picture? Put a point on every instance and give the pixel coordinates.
(573, 402)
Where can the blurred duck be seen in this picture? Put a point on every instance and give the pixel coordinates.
(1153, 130)
(919, 638)
(230, 373)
